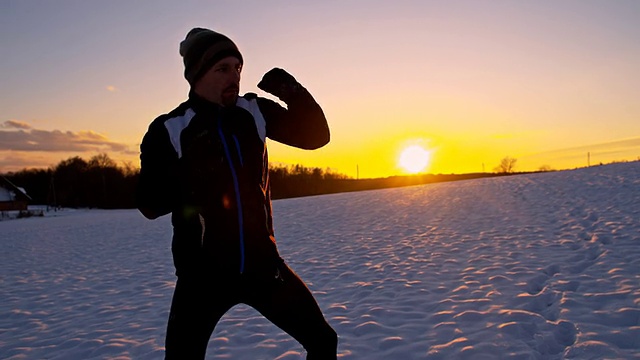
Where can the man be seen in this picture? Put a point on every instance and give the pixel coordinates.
(206, 163)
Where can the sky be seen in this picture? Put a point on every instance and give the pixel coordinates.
(553, 84)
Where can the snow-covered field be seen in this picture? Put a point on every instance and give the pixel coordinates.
(543, 266)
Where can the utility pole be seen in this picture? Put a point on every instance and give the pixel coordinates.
(357, 172)
(588, 159)
(52, 192)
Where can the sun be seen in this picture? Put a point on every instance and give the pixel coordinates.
(414, 159)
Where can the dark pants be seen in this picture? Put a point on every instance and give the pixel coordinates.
(199, 303)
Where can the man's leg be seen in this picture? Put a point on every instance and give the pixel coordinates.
(196, 308)
(289, 304)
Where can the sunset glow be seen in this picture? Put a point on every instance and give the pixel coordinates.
(551, 84)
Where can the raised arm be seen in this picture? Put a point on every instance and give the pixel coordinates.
(302, 124)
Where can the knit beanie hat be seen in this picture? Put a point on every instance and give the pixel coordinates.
(201, 49)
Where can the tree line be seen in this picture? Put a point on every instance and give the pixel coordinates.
(77, 183)
(101, 183)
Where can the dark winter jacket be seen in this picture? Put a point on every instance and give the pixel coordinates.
(207, 165)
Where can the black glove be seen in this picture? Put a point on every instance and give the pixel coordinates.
(281, 84)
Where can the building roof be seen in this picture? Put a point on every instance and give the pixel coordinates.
(12, 192)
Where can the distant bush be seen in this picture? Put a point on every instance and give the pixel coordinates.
(507, 165)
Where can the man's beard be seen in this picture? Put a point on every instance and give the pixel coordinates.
(229, 96)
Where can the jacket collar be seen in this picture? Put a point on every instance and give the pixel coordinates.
(201, 104)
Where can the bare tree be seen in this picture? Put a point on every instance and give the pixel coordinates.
(507, 165)
(102, 161)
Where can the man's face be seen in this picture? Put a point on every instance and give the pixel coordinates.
(221, 84)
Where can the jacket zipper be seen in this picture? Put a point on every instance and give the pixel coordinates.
(236, 187)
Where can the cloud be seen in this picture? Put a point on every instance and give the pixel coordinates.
(22, 146)
(15, 124)
(608, 147)
(620, 145)
(626, 148)
(34, 140)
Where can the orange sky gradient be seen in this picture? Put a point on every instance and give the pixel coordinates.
(544, 82)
